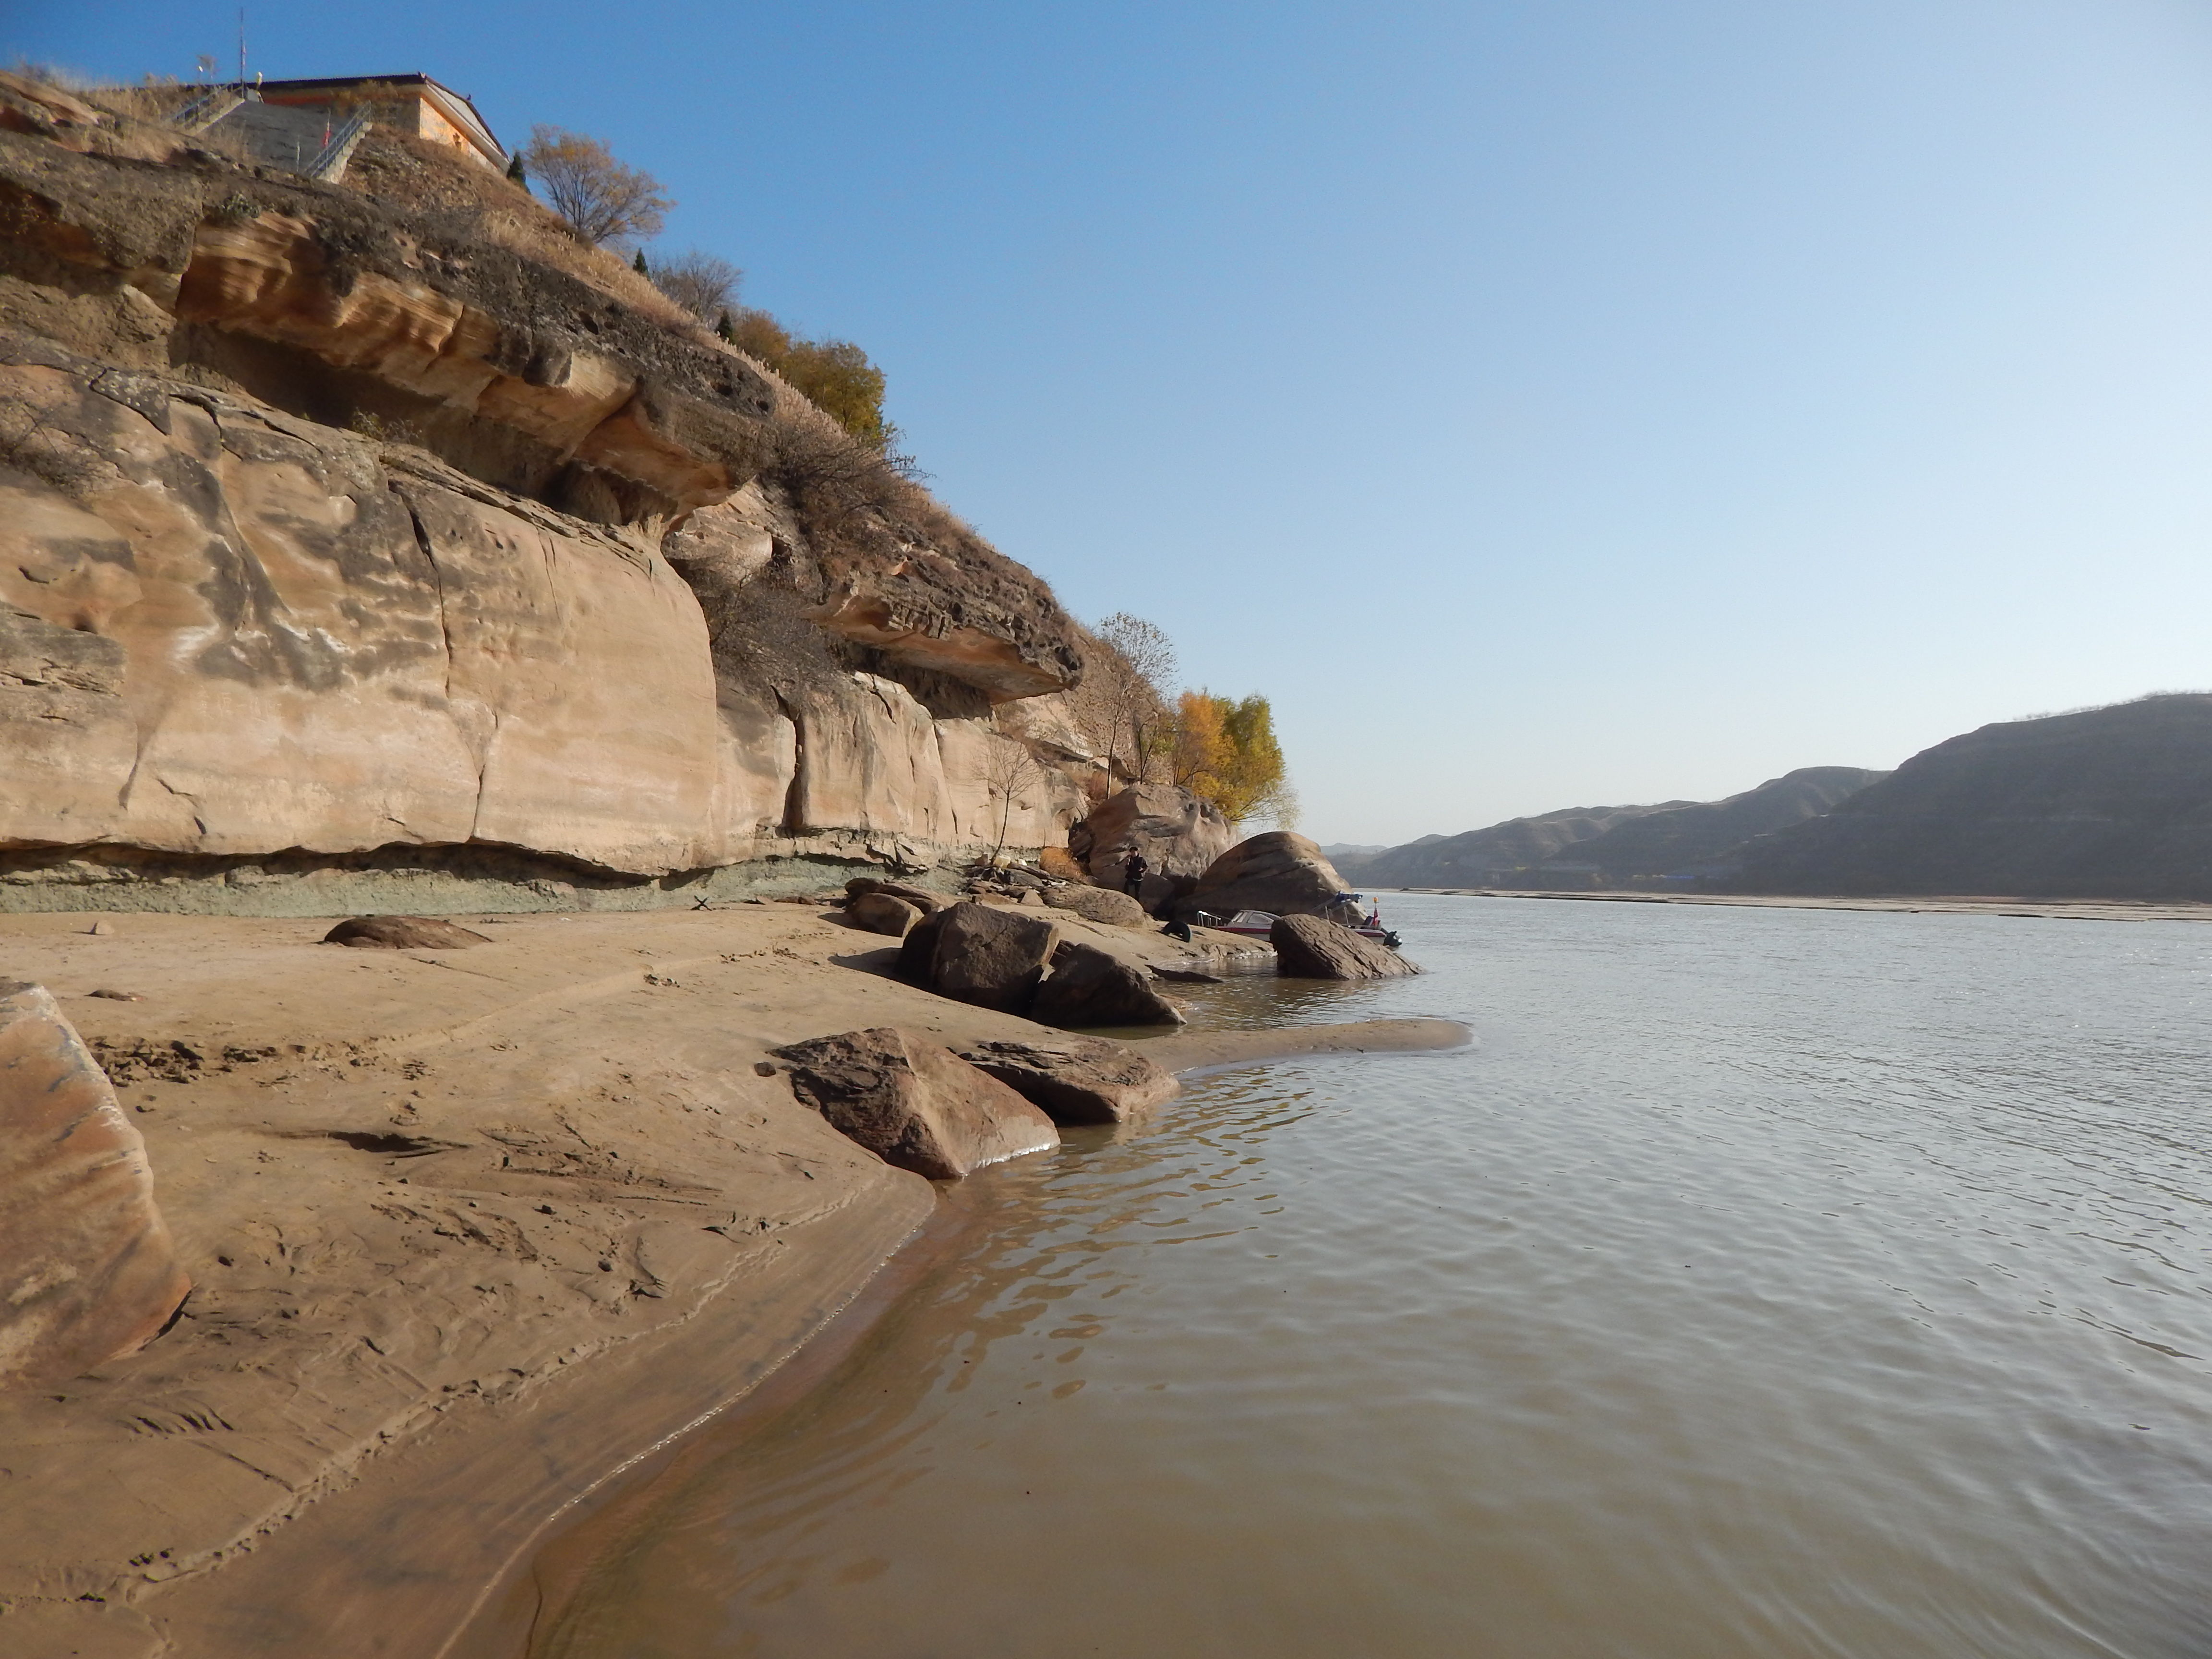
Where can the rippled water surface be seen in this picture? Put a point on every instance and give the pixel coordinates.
(1768, 1283)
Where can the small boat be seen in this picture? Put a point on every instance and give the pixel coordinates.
(1256, 924)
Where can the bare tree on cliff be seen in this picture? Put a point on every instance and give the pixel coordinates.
(1009, 768)
(602, 200)
(1123, 681)
(704, 284)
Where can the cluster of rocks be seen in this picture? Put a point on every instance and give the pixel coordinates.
(892, 907)
(997, 956)
(921, 1106)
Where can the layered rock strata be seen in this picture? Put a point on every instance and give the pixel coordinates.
(346, 554)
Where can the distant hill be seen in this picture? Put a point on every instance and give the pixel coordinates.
(1682, 840)
(1604, 846)
(1477, 858)
(1348, 855)
(2107, 803)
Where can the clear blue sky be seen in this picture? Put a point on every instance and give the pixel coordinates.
(1546, 403)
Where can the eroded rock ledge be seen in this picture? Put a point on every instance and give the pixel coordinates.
(329, 532)
(227, 632)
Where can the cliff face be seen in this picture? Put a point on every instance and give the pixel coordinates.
(2110, 803)
(332, 538)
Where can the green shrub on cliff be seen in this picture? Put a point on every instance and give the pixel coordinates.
(835, 375)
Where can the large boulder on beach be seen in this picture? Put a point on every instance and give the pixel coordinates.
(882, 913)
(1076, 1079)
(1311, 947)
(917, 957)
(1178, 835)
(914, 1104)
(989, 955)
(1090, 987)
(87, 1268)
(921, 898)
(401, 933)
(1280, 872)
(1100, 904)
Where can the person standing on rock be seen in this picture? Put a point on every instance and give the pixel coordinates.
(1132, 876)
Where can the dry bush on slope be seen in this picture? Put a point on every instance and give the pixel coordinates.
(129, 122)
(415, 174)
(849, 497)
(603, 199)
(704, 284)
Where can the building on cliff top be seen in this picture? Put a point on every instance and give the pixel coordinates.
(307, 126)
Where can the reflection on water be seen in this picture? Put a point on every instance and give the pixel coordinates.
(1768, 1283)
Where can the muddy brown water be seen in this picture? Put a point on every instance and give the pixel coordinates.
(1767, 1284)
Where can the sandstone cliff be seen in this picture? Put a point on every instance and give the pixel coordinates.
(2107, 803)
(349, 554)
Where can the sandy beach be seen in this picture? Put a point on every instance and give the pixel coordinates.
(468, 1230)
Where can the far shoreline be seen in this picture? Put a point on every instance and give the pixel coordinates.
(1947, 904)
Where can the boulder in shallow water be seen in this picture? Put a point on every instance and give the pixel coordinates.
(882, 913)
(1307, 947)
(1091, 986)
(914, 1104)
(401, 933)
(87, 1268)
(990, 956)
(1280, 872)
(1076, 1079)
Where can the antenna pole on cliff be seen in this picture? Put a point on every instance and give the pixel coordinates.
(241, 49)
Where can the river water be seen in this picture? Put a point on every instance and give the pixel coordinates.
(1767, 1283)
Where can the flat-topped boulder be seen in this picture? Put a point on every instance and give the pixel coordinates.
(884, 913)
(402, 933)
(914, 1104)
(921, 898)
(1076, 1079)
(87, 1268)
(1100, 904)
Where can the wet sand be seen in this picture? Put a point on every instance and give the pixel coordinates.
(469, 1231)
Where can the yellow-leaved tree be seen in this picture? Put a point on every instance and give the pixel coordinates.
(1225, 752)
